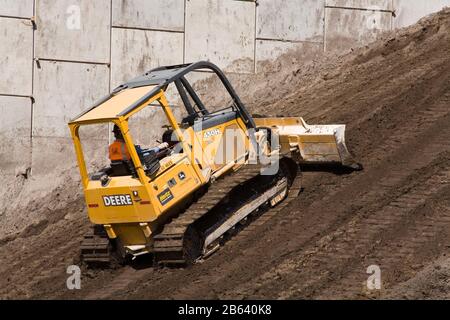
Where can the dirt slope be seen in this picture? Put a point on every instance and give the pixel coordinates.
(395, 97)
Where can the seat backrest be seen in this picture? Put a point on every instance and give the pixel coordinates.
(120, 168)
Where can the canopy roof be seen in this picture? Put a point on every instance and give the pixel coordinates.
(114, 106)
(131, 95)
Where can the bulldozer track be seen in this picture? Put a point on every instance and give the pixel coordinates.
(95, 248)
(169, 244)
(130, 276)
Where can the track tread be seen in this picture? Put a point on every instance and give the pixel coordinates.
(168, 245)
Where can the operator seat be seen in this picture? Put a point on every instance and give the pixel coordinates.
(120, 168)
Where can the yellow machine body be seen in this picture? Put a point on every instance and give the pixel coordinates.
(139, 204)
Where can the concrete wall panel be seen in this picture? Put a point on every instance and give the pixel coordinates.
(76, 30)
(199, 76)
(16, 56)
(51, 154)
(16, 8)
(137, 51)
(149, 14)
(290, 20)
(222, 32)
(361, 4)
(347, 28)
(15, 130)
(62, 91)
(268, 50)
(408, 14)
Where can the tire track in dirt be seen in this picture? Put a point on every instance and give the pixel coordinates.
(337, 247)
(41, 265)
(358, 238)
(126, 278)
(400, 262)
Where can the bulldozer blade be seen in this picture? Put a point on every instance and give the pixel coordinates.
(317, 144)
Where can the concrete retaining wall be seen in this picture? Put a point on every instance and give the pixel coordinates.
(221, 31)
(409, 12)
(58, 57)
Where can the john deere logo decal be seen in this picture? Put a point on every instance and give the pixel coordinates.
(165, 196)
(117, 200)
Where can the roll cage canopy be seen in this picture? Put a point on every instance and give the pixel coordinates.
(160, 78)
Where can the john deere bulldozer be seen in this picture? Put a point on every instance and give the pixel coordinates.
(213, 172)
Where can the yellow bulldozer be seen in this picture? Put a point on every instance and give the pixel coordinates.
(213, 172)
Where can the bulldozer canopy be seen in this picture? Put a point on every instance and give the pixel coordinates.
(131, 95)
(115, 105)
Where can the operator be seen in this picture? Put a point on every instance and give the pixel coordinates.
(118, 150)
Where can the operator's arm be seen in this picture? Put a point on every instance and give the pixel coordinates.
(160, 151)
(161, 147)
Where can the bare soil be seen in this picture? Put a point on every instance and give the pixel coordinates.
(394, 96)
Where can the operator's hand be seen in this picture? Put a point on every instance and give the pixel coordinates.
(163, 146)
